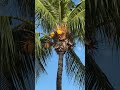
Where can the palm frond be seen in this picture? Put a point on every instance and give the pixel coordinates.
(76, 21)
(67, 7)
(41, 53)
(104, 19)
(24, 42)
(47, 14)
(8, 49)
(95, 79)
(61, 10)
(14, 62)
(102, 24)
(74, 67)
(5, 83)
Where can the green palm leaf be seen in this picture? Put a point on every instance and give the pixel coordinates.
(76, 21)
(74, 67)
(47, 14)
(41, 54)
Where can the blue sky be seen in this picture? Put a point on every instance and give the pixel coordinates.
(48, 81)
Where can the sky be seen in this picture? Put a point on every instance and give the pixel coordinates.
(48, 81)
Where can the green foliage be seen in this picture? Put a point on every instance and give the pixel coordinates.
(103, 22)
(76, 21)
(50, 13)
(46, 13)
(53, 13)
(15, 65)
(104, 19)
(41, 54)
(74, 67)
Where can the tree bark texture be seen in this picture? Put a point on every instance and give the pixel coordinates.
(59, 71)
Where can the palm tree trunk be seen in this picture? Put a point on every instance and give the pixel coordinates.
(59, 71)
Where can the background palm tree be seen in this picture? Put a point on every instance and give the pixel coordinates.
(16, 53)
(102, 21)
(17, 44)
(52, 13)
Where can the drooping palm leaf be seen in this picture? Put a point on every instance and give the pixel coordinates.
(74, 67)
(24, 41)
(16, 66)
(41, 54)
(8, 49)
(95, 79)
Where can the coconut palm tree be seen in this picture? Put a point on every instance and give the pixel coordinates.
(104, 22)
(16, 53)
(17, 45)
(60, 20)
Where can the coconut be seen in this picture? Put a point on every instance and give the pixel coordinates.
(52, 35)
(46, 44)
